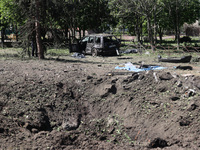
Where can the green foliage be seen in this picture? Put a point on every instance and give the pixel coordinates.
(154, 16)
(95, 15)
(181, 11)
(9, 12)
(138, 17)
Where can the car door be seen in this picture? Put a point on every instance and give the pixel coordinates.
(90, 44)
(83, 43)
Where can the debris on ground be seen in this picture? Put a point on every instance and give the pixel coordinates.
(184, 67)
(129, 51)
(137, 68)
(124, 58)
(78, 55)
(184, 59)
(165, 76)
(189, 93)
(185, 39)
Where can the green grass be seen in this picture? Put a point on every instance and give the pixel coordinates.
(10, 53)
(58, 52)
(10, 50)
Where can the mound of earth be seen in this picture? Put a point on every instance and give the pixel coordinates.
(55, 105)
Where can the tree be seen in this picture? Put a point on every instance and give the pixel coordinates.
(81, 15)
(93, 15)
(38, 30)
(127, 17)
(158, 15)
(180, 12)
(139, 11)
(37, 14)
(8, 15)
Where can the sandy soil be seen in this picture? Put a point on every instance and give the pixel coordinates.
(69, 103)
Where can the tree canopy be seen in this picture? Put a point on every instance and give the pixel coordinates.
(151, 17)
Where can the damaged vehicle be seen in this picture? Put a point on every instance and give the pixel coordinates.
(99, 44)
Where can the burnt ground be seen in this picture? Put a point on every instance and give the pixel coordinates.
(69, 103)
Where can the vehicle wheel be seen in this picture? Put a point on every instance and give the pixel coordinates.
(94, 52)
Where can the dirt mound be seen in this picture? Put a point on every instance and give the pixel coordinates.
(54, 105)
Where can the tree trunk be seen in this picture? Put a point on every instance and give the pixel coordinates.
(2, 37)
(155, 29)
(74, 33)
(177, 25)
(16, 33)
(66, 36)
(38, 32)
(138, 29)
(80, 33)
(83, 32)
(160, 34)
(150, 33)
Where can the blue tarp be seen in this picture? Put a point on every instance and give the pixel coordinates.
(130, 67)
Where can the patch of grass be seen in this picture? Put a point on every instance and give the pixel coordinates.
(10, 53)
(58, 52)
(10, 50)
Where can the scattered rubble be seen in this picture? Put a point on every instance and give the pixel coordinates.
(184, 67)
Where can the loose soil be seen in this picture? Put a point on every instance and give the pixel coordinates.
(69, 103)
